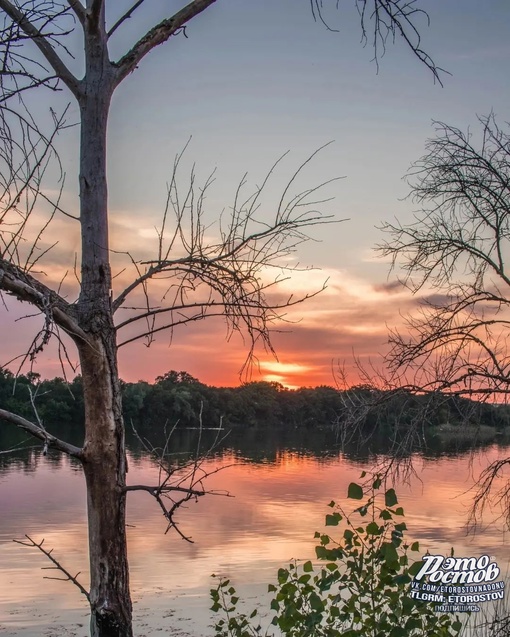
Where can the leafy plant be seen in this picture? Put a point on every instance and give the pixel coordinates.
(359, 587)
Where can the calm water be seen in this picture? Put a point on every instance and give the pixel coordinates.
(280, 499)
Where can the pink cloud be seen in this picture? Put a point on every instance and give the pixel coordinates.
(345, 322)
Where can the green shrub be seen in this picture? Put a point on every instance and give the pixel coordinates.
(359, 588)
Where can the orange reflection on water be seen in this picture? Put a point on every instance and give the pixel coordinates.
(272, 518)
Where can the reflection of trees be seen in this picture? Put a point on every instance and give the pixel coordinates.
(29, 459)
(255, 445)
(263, 418)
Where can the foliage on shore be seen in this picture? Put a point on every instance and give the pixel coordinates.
(179, 398)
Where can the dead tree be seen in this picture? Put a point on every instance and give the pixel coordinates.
(455, 255)
(226, 278)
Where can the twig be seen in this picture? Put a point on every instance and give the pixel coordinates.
(58, 566)
(186, 480)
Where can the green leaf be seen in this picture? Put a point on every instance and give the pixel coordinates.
(363, 589)
(415, 568)
(316, 602)
(363, 474)
(321, 552)
(332, 519)
(389, 552)
(402, 579)
(412, 623)
(377, 483)
(373, 528)
(390, 498)
(355, 492)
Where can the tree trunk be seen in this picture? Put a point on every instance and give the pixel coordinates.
(105, 472)
(104, 455)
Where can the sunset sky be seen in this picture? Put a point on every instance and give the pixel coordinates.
(252, 80)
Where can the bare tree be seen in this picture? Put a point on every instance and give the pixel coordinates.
(204, 278)
(455, 253)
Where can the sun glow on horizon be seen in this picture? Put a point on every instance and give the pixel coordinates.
(290, 375)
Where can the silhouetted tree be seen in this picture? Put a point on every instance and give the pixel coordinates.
(456, 251)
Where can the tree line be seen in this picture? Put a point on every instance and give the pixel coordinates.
(179, 399)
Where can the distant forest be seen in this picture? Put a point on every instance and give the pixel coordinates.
(179, 399)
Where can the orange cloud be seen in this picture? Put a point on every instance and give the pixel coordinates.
(347, 320)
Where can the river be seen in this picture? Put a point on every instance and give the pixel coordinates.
(279, 498)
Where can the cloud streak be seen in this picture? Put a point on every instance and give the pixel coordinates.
(347, 321)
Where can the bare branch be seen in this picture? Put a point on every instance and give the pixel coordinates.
(25, 155)
(455, 255)
(124, 17)
(57, 565)
(186, 480)
(387, 19)
(41, 434)
(203, 308)
(154, 490)
(78, 9)
(26, 288)
(493, 486)
(251, 316)
(458, 244)
(236, 275)
(41, 41)
(157, 35)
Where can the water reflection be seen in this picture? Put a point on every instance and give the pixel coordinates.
(280, 491)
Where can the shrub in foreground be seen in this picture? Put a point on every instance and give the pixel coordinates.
(359, 586)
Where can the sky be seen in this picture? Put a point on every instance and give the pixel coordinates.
(251, 81)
